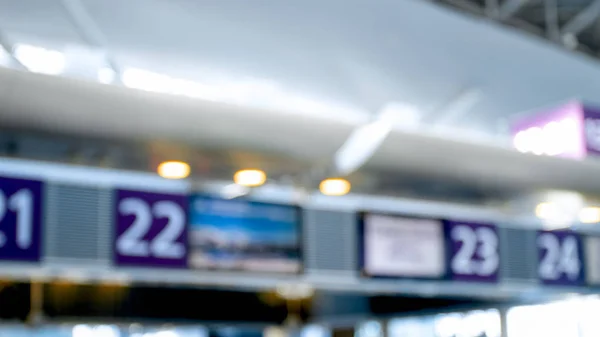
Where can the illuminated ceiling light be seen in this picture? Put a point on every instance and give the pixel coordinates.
(250, 178)
(4, 57)
(335, 187)
(40, 60)
(295, 291)
(400, 115)
(174, 170)
(545, 210)
(589, 215)
(106, 75)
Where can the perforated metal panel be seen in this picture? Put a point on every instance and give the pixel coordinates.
(77, 223)
(519, 260)
(330, 240)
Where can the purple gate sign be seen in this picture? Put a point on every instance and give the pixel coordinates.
(150, 229)
(555, 132)
(474, 253)
(560, 259)
(592, 130)
(20, 219)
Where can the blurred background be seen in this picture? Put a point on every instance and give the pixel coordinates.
(323, 168)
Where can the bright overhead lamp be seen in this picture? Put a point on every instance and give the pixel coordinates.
(174, 170)
(589, 215)
(250, 177)
(335, 187)
(400, 115)
(545, 210)
(40, 60)
(295, 291)
(4, 56)
(106, 75)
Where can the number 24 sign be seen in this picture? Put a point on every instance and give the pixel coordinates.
(560, 258)
(151, 229)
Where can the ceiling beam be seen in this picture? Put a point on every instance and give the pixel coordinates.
(510, 7)
(9, 48)
(582, 20)
(457, 107)
(551, 18)
(492, 8)
(89, 30)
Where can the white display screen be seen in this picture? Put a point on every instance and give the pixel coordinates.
(403, 247)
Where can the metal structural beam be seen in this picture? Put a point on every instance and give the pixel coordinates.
(9, 48)
(582, 20)
(457, 107)
(492, 8)
(510, 7)
(551, 18)
(89, 29)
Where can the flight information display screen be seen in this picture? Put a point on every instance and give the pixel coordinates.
(403, 247)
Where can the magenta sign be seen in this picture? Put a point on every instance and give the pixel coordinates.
(558, 132)
(592, 130)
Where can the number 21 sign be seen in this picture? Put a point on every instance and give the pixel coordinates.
(474, 251)
(151, 229)
(20, 219)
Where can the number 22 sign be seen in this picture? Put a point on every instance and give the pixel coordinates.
(150, 229)
(474, 251)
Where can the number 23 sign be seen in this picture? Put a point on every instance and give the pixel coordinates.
(150, 229)
(474, 251)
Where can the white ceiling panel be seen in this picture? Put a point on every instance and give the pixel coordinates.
(37, 20)
(362, 54)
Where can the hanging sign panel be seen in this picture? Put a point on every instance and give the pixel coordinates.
(20, 219)
(410, 247)
(244, 235)
(474, 251)
(395, 246)
(560, 258)
(150, 229)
